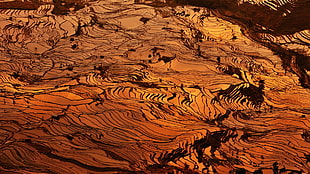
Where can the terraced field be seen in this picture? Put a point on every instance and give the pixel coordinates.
(115, 86)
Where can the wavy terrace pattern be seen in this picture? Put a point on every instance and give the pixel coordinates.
(154, 87)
